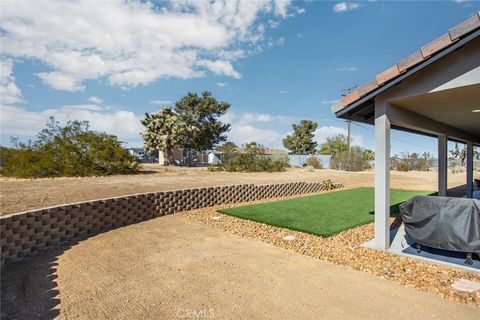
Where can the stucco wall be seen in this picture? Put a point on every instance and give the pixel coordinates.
(24, 233)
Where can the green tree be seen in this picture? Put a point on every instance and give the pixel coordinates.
(164, 131)
(462, 154)
(70, 150)
(227, 147)
(202, 113)
(334, 145)
(459, 154)
(426, 156)
(301, 140)
(251, 158)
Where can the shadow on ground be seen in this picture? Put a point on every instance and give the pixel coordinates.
(29, 287)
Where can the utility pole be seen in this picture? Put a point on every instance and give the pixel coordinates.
(346, 91)
(349, 135)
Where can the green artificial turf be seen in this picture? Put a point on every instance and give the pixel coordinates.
(325, 214)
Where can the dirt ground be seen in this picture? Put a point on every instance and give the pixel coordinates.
(25, 194)
(172, 267)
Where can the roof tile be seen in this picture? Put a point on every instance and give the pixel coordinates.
(387, 75)
(410, 61)
(465, 27)
(415, 58)
(367, 87)
(436, 45)
(350, 98)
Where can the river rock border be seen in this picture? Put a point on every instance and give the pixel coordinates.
(24, 233)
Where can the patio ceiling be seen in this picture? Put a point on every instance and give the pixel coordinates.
(453, 107)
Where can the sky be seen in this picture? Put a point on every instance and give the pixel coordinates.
(275, 61)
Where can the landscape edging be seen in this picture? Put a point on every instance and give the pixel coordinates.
(24, 233)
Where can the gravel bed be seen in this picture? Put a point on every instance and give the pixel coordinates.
(344, 249)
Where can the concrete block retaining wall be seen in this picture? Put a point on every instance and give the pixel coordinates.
(24, 233)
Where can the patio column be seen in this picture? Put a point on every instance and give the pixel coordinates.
(382, 182)
(442, 165)
(469, 169)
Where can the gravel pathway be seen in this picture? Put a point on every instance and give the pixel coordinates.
(344, 249)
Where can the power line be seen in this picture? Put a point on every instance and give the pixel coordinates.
(396, 139)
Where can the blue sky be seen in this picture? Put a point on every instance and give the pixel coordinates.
(276, 62)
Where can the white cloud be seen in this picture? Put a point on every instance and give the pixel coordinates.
(348, 69)
(300, 35)
(220, 67)
(9, 92)
(221, 84)
(21, 122)
(322, 133)
(346, 6)
(283, 91)
(250, 126)
(281, 7)
(277, 42)
(61, 81)
(90, 107)
(273, 24)
(140, 41)
(160, 102)
(95, 100)
(249, 117)
(243, 133)
(299, 10)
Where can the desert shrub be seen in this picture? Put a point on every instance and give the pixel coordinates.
(251, 159)
(457, 169)
(253, 163)
(327, 185)
(73, 150)
(314, 162)
(349, 161)
(408, 162)
(403, 166)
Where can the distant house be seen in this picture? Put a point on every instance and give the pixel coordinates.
(215, 157)
(142, 155)
(184, 157)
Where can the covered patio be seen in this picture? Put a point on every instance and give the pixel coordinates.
(435, 92)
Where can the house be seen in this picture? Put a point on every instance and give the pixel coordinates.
(136, 152)
(215, 157)
(184, 157)
(435, 92)
(142, 155)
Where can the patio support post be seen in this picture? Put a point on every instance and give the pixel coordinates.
(442, 166)
(382, 182)
(469, 169)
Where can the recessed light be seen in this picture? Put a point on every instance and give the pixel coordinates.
(476, 110)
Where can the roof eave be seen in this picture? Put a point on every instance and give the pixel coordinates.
(344, 112)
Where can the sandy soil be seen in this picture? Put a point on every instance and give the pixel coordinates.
(171, 266)
(345, 249)
(20, 195)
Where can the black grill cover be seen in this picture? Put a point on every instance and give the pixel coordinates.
(443, 223)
